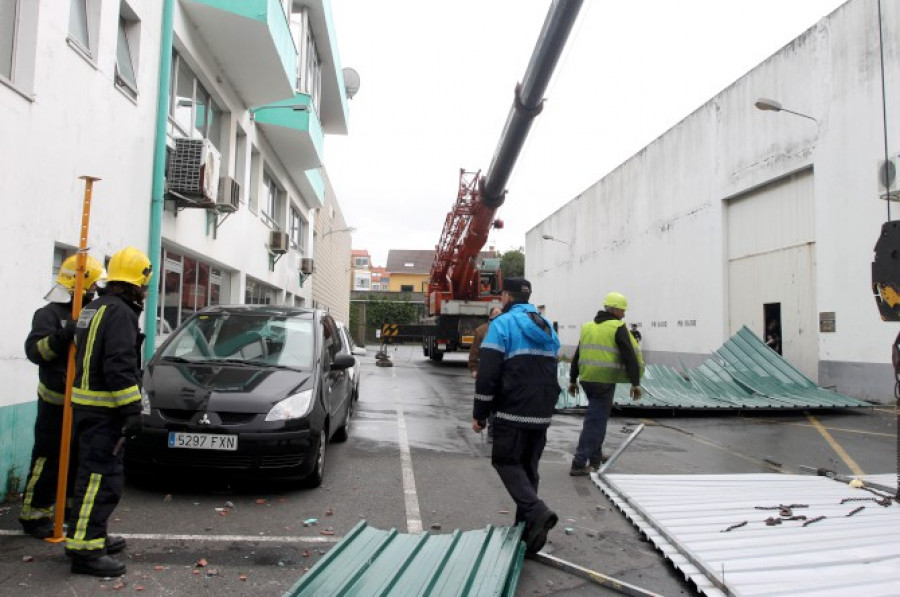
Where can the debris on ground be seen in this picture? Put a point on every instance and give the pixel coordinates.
(436, 526)
(202, 563)
(328, 532)
(229, 505)
(242, 577)
(261, 501)
(570, 531)
(168, 497)
(27, 558)
(310, 522)
(118, 585)
(329, 512)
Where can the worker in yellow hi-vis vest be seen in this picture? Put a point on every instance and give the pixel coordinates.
(106, 404)
(607, 354)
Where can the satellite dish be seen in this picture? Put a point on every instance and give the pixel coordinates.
(351, 82)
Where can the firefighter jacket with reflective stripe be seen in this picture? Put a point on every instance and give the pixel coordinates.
(47, 346)
(107, 361)
(607, 353)
(517, 369)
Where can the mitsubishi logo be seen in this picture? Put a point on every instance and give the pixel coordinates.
(204, 420)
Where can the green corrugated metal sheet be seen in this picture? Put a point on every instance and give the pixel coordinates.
(743, 374)
(371, 562)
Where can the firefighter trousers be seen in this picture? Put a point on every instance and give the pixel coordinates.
(40, 488)
(98, 482)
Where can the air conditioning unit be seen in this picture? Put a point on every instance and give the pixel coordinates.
(889, 178)
(194, 170)
(307, 266)
(229, 198)
(279, 242)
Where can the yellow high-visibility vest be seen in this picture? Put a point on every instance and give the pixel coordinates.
(598, 355)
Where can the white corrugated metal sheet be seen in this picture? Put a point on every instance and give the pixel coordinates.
(687, 517)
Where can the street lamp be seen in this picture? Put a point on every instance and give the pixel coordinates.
(767, 104)
(347, 229)
(295, 108)
(553, 238)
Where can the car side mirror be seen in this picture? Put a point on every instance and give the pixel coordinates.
(342, 361)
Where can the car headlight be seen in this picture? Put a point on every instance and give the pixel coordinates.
(292, 407)
(145, 402)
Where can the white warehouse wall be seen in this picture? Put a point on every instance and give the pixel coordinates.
(655, 227)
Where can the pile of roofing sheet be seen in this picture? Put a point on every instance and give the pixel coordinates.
(369, 561)
(766, 534)
(743, 374)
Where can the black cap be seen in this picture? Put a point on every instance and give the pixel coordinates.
(520, 285)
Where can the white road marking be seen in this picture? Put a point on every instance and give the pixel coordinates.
(413, 517)
(230, 538)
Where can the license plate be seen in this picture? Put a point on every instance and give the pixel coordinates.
(202, 441)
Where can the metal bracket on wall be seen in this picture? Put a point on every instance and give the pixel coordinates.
(215, 219)
(303, 278)
(273, 259)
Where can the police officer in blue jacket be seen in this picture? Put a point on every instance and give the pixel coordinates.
(517, 383)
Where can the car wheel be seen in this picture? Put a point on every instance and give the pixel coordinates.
(314, 479)
(343, 432)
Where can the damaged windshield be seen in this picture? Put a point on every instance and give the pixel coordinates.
(258, 339)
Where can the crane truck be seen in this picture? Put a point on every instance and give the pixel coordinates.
(463, 285)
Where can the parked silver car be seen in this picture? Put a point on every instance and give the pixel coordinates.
(356, 351)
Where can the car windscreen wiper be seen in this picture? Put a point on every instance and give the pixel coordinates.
(273, 365)
(174, 359)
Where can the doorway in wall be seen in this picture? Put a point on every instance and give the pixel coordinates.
(772, 326)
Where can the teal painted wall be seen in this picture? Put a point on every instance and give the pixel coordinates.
(16, 439)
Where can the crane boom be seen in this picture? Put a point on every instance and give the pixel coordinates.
(455, 273)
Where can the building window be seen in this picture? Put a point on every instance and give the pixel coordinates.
(309, 67)
(253, 195)
(18, 43)
(360, 262)
(191, 108)
(9, 20)
(127, 48)
(297, 231)
(406, 288)
(78, 25)
(271, 202)
(257, 293)
(361, 281)
(186, 286)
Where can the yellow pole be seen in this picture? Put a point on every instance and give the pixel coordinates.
(78, 292)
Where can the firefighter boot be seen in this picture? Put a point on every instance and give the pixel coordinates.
(103, 566)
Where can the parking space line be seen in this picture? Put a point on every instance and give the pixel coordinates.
(851, 464)
(410, 497)
(229, 538)
(830, 428)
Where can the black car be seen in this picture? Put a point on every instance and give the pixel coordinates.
(247, 389)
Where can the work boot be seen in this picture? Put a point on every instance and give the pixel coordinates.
(102, 566)
(115, 544)
(537, 534)
(39, 529)
(581, 470)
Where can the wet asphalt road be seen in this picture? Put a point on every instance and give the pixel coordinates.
(262, 547)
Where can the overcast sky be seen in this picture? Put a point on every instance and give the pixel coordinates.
(437, 80)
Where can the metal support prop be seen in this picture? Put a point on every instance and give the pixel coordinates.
(78, 293)
(592, 575)
(625, 444)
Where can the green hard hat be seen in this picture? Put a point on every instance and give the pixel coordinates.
(616, 300)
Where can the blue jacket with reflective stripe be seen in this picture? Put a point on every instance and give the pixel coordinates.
(517, 369)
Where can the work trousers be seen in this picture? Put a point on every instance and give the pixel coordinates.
(40, 488)
(98, 482)
(590, 443)
(515, 456)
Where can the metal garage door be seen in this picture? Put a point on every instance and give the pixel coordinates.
(771, 253)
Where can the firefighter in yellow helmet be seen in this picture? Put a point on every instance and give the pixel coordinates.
(607, 354)
(106, 403)
(47, 346)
